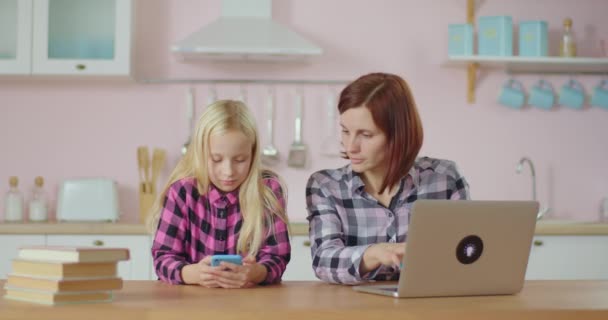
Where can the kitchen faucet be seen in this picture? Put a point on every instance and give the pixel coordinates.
(520, 167)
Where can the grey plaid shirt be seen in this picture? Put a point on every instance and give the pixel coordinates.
(344, 220)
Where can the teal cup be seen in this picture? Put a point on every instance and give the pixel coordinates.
(572, 95)
(600, 95)
(541, 95)
(512, 94)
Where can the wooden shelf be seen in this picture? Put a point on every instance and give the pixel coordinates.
(516, 64)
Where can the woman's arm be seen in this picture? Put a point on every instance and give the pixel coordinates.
(332, 260)
(458, 187)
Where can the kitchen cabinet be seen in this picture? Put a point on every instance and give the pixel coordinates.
(15, 36)
(299, 267)
(568, 258)
(10, 244)
(139, 265)
(65, 37)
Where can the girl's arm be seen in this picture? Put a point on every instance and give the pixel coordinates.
(275, 253)
(168, 247)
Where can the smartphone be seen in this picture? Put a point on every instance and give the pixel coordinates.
(232, 258)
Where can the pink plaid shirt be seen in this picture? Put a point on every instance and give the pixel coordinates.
(193, 226)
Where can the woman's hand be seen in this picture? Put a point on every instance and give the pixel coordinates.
(382, 254)
(229, 275)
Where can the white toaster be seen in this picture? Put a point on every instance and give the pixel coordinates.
(90, 199)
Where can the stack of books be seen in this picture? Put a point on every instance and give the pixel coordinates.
(61, 275)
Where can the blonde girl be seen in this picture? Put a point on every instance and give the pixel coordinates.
(218, 200)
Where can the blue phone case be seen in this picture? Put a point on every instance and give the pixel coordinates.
(232, 258)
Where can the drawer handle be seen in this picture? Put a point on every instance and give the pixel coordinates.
(306, 243)
(98, 243)
(538, 243)
(81, 66)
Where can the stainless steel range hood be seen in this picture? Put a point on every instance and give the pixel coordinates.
(245, 31)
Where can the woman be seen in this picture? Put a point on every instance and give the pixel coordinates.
(359, 214)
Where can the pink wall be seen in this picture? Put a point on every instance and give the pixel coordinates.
(64, 128)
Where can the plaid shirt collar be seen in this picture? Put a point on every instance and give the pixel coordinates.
(220, 199)
(357, 185)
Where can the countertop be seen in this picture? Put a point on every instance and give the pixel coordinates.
(546, 227)
(316, 300)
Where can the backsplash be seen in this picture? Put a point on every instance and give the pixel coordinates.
(63, 128)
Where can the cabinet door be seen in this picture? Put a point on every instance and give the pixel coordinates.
(300, 266)
(136, 268)
(88, 37)
(568, 258)
(15, 36)
(10, 244)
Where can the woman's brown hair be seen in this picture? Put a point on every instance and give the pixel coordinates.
(393, 109)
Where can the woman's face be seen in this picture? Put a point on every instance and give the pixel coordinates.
(229, 159)
(363, 141)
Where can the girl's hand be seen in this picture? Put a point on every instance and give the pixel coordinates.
(229, 275)
(200, 273)
(207, 278)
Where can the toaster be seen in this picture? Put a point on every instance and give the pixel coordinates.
(89, 199)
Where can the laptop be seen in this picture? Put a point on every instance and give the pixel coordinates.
(464, 248)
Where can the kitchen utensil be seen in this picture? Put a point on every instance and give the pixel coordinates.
(572, 95)
(330, 147)
(158, 162)
(512, 94)
(211, 94)
(242, 94)
(270, 154)
(600, 95)
(542, 95)
(297, 151)
(143, 160)
(189, 116)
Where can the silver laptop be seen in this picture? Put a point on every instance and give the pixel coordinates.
(463, 248)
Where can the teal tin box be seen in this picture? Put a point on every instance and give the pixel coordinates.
(460, 41)
(533, 38)
(495, 36)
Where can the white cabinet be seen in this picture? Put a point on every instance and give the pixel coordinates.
(299, 267)
(139, 265)
(65, 37)
(15, 36)
(568, 258)
(10, 244)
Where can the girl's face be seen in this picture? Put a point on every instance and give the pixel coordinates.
(229, 159)
(363, 141)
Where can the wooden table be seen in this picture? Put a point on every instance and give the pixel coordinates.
(315, 300)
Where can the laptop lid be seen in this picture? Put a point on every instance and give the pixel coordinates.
(466, 247)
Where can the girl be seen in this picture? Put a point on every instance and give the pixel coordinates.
(219, 201)
(359, 213)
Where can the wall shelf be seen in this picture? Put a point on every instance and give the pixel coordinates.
(516, 64)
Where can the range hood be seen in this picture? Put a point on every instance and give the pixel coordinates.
(245, 31)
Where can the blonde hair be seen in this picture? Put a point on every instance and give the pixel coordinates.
(258, 203)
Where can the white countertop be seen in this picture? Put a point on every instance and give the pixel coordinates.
(546, 227)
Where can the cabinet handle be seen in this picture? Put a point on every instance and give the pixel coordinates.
(81, 66)
(306, 243)
(538, 243)
(98, 243)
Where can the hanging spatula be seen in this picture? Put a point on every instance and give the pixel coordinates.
(297, 151)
